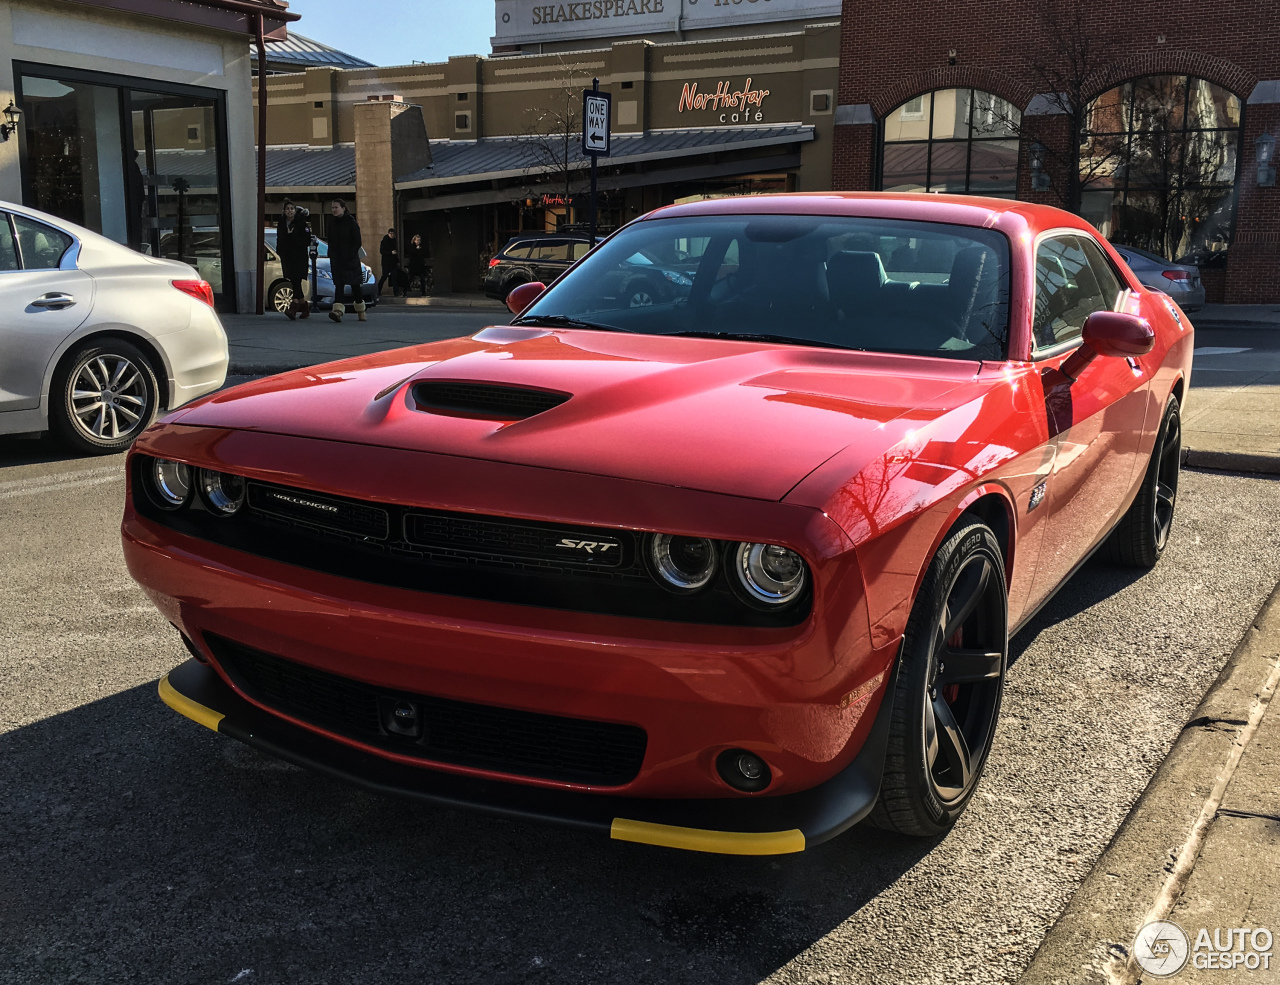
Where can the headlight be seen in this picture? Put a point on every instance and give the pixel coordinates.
(323, 274)
(769, 574)
(168, 483)
(221, 492)
(677, 278)
(682, 564)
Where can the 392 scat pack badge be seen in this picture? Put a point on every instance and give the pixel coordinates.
(747, 581)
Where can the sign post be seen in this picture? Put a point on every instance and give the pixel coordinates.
(597, 115)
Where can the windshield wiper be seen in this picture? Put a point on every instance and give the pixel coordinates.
(746, 337)
(564, 321)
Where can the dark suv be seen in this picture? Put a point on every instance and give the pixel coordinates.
(533, 256)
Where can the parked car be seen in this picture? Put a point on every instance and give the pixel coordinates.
(280, 293)
(533, 256)
(96, 338)
(1180, 281)
(728, 572)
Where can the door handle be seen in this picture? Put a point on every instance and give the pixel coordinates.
(54, 301)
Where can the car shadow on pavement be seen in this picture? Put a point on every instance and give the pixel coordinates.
(136, 844)
(37, 451)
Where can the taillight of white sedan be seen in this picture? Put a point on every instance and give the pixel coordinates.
(97, 338)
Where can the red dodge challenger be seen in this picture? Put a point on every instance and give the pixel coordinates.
(718, 545)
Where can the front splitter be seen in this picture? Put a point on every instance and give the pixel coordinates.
(728, 826)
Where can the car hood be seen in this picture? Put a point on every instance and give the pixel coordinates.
(721, 416)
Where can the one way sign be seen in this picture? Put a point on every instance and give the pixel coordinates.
(597, 112)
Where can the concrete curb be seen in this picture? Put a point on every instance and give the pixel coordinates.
(1091, 938)
(1231, 461)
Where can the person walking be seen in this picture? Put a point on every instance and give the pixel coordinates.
(293, 239)
(389, 249)
(344, 261)
(416, 255)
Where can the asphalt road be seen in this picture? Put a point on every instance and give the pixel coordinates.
(137, 846)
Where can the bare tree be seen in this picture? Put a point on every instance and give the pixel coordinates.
(553, 132)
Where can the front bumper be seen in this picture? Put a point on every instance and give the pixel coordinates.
(755, 826)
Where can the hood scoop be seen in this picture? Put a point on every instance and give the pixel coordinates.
(485, 401)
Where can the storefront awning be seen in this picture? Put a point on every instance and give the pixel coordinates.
(493, 158)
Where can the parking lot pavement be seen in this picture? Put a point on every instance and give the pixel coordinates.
(271, 343)
(136, 845)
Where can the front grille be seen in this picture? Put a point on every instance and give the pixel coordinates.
(504, 740)
(488, 400)
(341, 515)
(558, 546)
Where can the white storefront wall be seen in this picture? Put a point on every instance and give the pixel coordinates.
(145, 48)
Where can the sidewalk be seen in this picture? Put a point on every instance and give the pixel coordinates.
(1232, 420)
(1199, 849)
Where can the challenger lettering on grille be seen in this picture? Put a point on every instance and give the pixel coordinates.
(298, 501)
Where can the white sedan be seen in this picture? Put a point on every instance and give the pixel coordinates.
(96, 339)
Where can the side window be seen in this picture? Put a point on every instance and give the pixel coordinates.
(8, 251)
(580, 250)
(1067, 291)
(1108, 282)
(41, 246)
(520, 251)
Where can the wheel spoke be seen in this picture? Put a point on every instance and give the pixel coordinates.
(1165, 495)
(101, 422)
(122, 367)
(965, 596)
(959, 666)
(106, 373)
(136, 401)
(128, 385)
(129, 415)
(950, 744)
(87, 371)
(84, 412)
(85, 395)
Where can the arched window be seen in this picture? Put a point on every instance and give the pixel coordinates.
(952, 140)
(1158, 166)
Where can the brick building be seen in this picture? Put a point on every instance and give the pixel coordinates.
(1166, 102)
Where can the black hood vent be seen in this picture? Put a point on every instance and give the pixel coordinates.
(490, 401)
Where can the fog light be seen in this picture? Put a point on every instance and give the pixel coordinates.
(222, 493)
(743, 770)
(168, 483)
(682, 564)
(769, 574)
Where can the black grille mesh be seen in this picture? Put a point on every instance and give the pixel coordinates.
(505, 740)
(507, 403)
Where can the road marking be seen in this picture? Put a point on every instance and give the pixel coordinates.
(1219, 350)
(13, 488)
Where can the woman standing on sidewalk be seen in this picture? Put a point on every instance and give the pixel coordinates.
(344, 261)
(293, 240)
(416, 255)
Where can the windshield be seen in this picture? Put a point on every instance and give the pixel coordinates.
(883, 285)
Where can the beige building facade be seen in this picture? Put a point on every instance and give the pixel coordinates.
(723, 116)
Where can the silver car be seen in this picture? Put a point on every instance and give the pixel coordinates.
(1178, 280)
(279, 293)
(95, 338)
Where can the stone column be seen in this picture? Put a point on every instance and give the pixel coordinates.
(375, 182)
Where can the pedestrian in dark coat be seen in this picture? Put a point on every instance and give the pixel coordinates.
(416, 255)
(344, 261)
(293, 241)
(389, 250)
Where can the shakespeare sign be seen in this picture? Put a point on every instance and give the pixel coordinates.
(729, 105)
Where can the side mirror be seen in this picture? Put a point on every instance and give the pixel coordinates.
(521, 297)
(1109, 333)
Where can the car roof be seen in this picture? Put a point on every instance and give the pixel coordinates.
(964, 210)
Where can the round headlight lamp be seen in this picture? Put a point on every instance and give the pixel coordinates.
(682, 564)
(768, 574)
(221, 492)
(169, 483)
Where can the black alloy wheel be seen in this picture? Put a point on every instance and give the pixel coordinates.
(950, 684)
(1140, 537)
(103, 396)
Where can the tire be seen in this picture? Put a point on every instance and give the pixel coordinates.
(103, 368)
(281, 296)
(639, 294)
(944, 720)
(1140, 537)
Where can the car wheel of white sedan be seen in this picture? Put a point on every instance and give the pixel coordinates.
(103, 397)
(282, 297)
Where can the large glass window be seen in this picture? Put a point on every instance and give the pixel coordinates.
(144, 168)
(877, 284)
(1158, 166)
(961, 141)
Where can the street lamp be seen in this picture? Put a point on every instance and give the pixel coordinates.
(1035, 157)
(1265, 148)
(12, 115)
